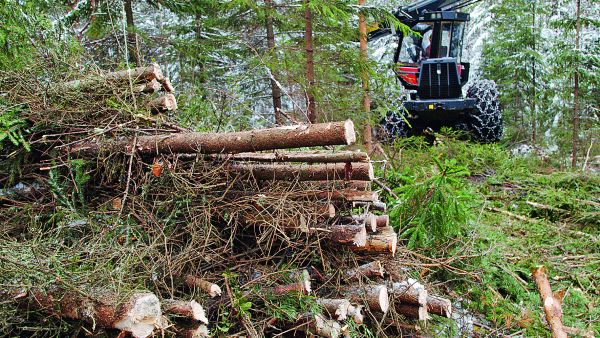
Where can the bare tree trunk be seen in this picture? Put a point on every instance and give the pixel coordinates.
(310, 65)
(534, 97)
(320, 134)
(132, 41)
(275, 90)
(551, 303)
(362, 29)
(576, 90)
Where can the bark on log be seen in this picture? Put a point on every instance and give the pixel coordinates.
(162, 104)
(319, 325)
(412, 311)
(307, 157)
(349, 234)
(386, 240)
(148, 87)
(355, 312)
(138, 315)
(335, 308)
(199, 331)
(211, 289)
(372, 269)
(167, 86)
(382, 221)
(315, 172)
(319, 134)
(439, 306)
(340, 185)
(552, 305)
(369, 220)
(302, 285)
(374, 296)
(412, 294)
(188, 309)
(347, 195)
(137, 75)
(372, 205)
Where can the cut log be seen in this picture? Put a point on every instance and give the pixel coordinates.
(162, 104)
(302, 285)
(138, 315)
(552, 305)
(148, 87)
(409, 291)
(382, 221)
(308, 157)
(167, 86)
(298, 136)
(317, 324)
(342, 185)
(292, 172)
(374, 296)
(369, 220)
(355, 312)
(439, 306)
(372, 205)
(386, 240)
(198, 331)
(412, 311)
(303, 222)
(211, 289)
(137, 75)
(335, 308)
(348, 234)
(411, 294)
(347, 195)
(372, 269)
(188, 309)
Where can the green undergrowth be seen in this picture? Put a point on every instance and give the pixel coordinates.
(515, 213)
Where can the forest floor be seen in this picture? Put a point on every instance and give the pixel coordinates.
(522, 212)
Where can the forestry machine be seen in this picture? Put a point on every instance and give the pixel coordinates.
(428, 64)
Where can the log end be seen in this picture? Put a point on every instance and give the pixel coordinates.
(198, 312)
(371, 222)
(360, 239)
(371, 172)
(214, 290)
(140, 315)
(349, 132)
(355, 312)
(383, 299)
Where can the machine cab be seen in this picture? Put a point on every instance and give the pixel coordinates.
(429, 60)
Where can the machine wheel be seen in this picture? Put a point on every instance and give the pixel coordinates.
(392, 126)
(485, 123)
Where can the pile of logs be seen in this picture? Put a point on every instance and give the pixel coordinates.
(339, 180)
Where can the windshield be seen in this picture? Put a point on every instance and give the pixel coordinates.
(417, 45)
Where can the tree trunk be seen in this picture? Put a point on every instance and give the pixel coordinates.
(576, 89)
(308, 157)
(275, 90)
(138, 315)
(551, 304)
(412, 311)
(412, 293)
(311, 109)
(362, 28)
(300, 172)
(132, 42)
(534, 96)
(374, 296)
(207, 287)
(319, 325)
(149, 87)
(135, 75)
(372, 269)
(321, 134)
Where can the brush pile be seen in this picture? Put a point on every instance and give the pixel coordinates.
(115, 219)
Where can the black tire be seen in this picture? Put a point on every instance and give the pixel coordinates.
(485, 123)
(391, 127)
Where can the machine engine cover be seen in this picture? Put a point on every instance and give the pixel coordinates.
(439, 79)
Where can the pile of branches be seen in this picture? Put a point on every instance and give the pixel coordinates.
(114, 218)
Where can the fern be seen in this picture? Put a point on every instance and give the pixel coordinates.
(13, 129)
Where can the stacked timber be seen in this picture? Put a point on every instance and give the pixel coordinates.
(335, 209)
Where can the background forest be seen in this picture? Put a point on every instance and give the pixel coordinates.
(473, 219)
